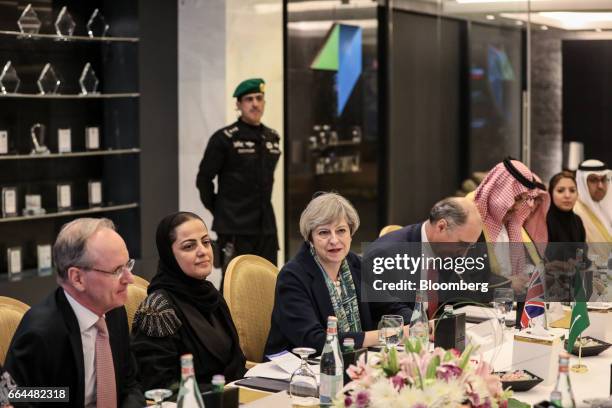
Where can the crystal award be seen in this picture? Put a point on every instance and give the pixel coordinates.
(9, 81)
(37, 134)
(96, 26)
(28, 22)
(88, 80)
(64, 24)
(48, 82)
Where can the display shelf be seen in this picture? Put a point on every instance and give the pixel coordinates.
(71, 96)
(70, 213)
(107, 152)
(55, 37)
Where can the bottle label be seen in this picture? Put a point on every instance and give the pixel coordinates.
(330, 386)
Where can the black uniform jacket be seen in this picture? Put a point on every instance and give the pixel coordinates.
(244, 157)
(46, 351)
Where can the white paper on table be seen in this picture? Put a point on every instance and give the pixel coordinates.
(279, 399)
(270, 369)
(286, 361)
(480, 312)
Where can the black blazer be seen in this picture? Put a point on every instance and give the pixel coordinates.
(46, 350)
(302, 305)
(412, 233)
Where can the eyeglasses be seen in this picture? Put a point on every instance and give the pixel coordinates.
(596, 180)
(117, 272)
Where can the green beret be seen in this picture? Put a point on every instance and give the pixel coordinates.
(253, 85)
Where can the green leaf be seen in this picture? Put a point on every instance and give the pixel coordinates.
(392, 366)
(465, 357)
(514, 403)
(431, 367)
(448, 356)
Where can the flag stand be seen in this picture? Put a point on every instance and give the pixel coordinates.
(579, 368)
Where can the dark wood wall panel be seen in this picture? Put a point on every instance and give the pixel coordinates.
(425, 129)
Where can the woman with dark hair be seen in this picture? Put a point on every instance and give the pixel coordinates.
(563, 224)
(184, 313)
(566, 237)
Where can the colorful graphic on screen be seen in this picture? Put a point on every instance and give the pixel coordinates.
(341, 52)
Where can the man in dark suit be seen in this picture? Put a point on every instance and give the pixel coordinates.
(453, 227)
(78, 336)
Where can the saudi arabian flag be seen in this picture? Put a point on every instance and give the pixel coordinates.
(580, 316)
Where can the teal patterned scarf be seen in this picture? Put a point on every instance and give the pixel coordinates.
(345, 304)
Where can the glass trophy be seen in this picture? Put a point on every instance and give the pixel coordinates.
(3, 142)
(92, 138)
(48, 82)
(9, 202)
(64, 196)
(94, 193)
(9, 81)
(28, 22)
(96, 26)
(13, 258)
(33, 205)
(43, 253)
(88, 80)
(37, 135)
(64, 140)
(64, 24)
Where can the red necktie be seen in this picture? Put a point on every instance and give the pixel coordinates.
(432, 295)
(106, 389)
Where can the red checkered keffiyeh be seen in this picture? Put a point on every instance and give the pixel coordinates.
(496, 195)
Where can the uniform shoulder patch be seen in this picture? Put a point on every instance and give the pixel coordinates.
(229, 131)
(156, 317)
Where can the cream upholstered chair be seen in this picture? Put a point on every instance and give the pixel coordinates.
(136, 294)
(248, 289)
(140, 281)
(388, 229)
(11, 312)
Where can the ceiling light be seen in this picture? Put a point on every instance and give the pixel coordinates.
(490, 17)
(518, 23)
(544, 28)
(598, 30)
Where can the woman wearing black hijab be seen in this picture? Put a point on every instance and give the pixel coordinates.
(184, 313)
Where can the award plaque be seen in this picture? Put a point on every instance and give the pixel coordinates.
(28, 22)
(48, 81)
(9, 202)
(94, 193)
(64, 24)
(3, 142)
(96, 26)
(33, 205)
(64, 196)
(13, 260)
(92, 138)
(37, 139)
(44, 257)
(64, 140)
(88, 80)
(9, 80)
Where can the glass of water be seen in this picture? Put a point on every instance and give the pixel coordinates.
(502, 301)
(391, 329)
(303, 387)
(158, 395)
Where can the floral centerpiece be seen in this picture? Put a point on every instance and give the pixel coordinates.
(417, 378)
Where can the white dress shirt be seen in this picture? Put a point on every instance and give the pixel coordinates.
(87, 320)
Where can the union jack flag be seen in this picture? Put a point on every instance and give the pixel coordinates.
(534, 301)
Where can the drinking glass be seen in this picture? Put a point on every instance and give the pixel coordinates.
(158, 395)
(391, 327)
(303, 385)
(502, 301)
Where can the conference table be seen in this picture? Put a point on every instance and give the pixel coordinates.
(593, 384)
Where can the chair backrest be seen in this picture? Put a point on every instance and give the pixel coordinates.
(388, 229)
(140, 281)
(136, 294)
(11, 312)
(248, 289)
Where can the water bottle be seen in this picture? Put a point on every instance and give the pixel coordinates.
(332, 366)
(189, 393)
